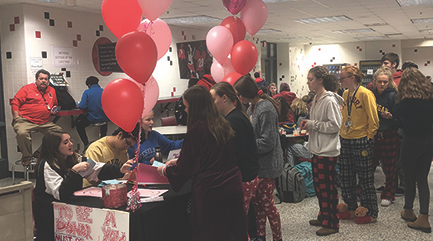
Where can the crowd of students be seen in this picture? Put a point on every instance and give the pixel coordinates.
(233, 155)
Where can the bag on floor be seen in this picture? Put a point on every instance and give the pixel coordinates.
(307, 172)
(290, 185)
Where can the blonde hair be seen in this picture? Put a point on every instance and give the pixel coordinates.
(385, 71)
(414, 85)
(299, 108)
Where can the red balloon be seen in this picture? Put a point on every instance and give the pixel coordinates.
(244, 56)
(236, 26)
(122, 101)
(231, 78)
(121, 16)
(136, 54)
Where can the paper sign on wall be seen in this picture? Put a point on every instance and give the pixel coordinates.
(369, 72)
(80, 223)
(63, 57)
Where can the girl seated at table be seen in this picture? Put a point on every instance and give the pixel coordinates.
(208, 157)
(59, 174)
(151, 139)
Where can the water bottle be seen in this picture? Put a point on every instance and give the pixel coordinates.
(158, 154)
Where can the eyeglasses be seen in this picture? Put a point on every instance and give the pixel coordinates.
(342, 78)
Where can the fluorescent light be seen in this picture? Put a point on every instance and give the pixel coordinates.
(50, 1)
(362, 30)
(406, 3)
(393, 35)
(422, 20)
(277, 1)
(268, 31)
(331, 19)
(191, 19)
(371, 38)
(296, 38)
(427, 31)
(375, 24)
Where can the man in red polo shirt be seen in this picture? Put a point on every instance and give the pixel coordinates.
(32, 108)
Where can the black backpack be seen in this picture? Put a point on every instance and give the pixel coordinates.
(290, 185)
(64, 99)
(179, 112)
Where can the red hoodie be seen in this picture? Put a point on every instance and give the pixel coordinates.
(207, 81)
(287, 95)
(397, 76)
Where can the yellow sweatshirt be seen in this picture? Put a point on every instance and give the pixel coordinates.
(365, 121)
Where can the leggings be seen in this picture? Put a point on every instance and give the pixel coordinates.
(416, 157)
(264, 206)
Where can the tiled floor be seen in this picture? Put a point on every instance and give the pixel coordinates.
(295, 217)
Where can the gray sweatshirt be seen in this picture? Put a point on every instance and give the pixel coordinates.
(324, 125)
(264, 119)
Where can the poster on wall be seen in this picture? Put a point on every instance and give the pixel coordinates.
(63, 57)
(80, 223)
(192, 57)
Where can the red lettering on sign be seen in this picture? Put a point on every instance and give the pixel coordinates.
(64, 211)
(112, 235)
(83, 214)
(109, 218)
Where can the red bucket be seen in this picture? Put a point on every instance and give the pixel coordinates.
(114, 195)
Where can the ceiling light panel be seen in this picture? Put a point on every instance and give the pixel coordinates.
(277, 1)
(191, 20)
(407, 3)
(372, 38)
(422, 20)
(427, 31)
(268, 31)
(362, 30)
(331, 19)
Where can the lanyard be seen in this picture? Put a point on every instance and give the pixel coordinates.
(46, 103)
(350, 101)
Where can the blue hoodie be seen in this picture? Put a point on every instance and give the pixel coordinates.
(91, 102)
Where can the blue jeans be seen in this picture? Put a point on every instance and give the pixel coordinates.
(296, 150)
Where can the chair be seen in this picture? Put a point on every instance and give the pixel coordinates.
(100, 125)
(168, 121)
(27, 169)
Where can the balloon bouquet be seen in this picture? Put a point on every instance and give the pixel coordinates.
(141, 44)
(228, 39)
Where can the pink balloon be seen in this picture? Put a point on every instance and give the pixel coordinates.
(219, 41)
(151, 95)
(136, 54)
(159, 31)
(244, 56)
(121, 16)
(219, 71)
(153, 9)
(234, 6)
(123, 103)
(254, 16)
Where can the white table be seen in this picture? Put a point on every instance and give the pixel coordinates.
(170, 130)
(291, 135)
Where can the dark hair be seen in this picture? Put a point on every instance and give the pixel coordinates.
(248, 88)
(201, 109)
(224, 88)
(309, 97)
(329, 81)
(192, 82)
(50, 153)
(256, 75)
(92, 80)
(264, 89)
(408, 64)
(207, 66)
(133, 134)
(284, 87)
(42, 71)
(391, 57)
(285, 109)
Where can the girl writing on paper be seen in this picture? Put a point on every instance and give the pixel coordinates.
(208, 157)
(59, 174)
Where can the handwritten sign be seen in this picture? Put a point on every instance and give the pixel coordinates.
(107, 58)
(80, 223)
(58, 80)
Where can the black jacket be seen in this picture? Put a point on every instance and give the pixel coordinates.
(385, 103)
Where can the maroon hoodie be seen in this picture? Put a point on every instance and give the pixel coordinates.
(207, 81)
(287, 95)
(397, 76)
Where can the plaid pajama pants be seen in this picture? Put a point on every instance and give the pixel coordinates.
(386, 150)
(355, 160)
(264, 206)
(326, 190)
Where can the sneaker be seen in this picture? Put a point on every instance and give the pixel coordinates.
(380, 189)
(25, 162)
(385, 202)
(326, 231)
(399, 191)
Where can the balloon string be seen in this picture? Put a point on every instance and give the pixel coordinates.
(147, 26)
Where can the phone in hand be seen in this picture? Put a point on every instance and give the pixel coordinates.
(57, 108)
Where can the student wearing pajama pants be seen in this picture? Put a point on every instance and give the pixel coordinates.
(324, 143)
(359, 126)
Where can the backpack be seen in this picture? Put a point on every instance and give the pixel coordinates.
(64, 99)
(179, 112)
(290, 185)
(307, 172)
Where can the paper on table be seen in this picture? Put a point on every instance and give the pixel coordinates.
(157, 164)
(92, 164)
(173, 154)
(152, 199)
(90, 192)
(149, 175)
(151, 192)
